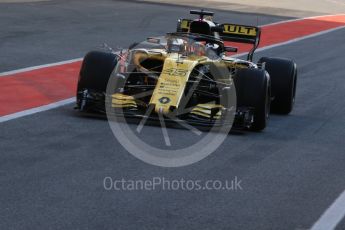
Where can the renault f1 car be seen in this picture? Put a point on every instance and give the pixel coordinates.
(189, 75)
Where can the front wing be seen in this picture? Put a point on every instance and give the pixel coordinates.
(200, 116)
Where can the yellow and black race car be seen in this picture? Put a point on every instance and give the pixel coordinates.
(188, 75)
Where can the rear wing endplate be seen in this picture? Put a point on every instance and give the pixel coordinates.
(183, 25)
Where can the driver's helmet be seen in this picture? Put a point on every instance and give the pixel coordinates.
(177, 45)
(186, 46)
(198, 48)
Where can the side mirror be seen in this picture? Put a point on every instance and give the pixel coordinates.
(230, 49)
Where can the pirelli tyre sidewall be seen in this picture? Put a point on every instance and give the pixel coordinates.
(253, 90)
(283, 73)
(96, 69)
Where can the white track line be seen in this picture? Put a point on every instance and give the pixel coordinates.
(36, 110)
(39, 67)
(70, 100)
(300, 39)
(300, 19)
(332, 216)
(292, 41)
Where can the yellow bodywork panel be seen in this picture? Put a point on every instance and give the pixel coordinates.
(172, 82)
(205, 110)
(185, 24)
(120, 100)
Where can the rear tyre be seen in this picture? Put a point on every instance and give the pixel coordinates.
(253, 90)
(283, 73)
(96, 70)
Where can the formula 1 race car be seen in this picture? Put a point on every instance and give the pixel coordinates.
(189, 75)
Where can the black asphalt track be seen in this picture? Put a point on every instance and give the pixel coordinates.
(52, 164)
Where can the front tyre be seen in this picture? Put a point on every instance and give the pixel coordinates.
(96, 70)
(253, 90)
(94, 75)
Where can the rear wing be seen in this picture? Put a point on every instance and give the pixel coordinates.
(241, 34)
(230, 32)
